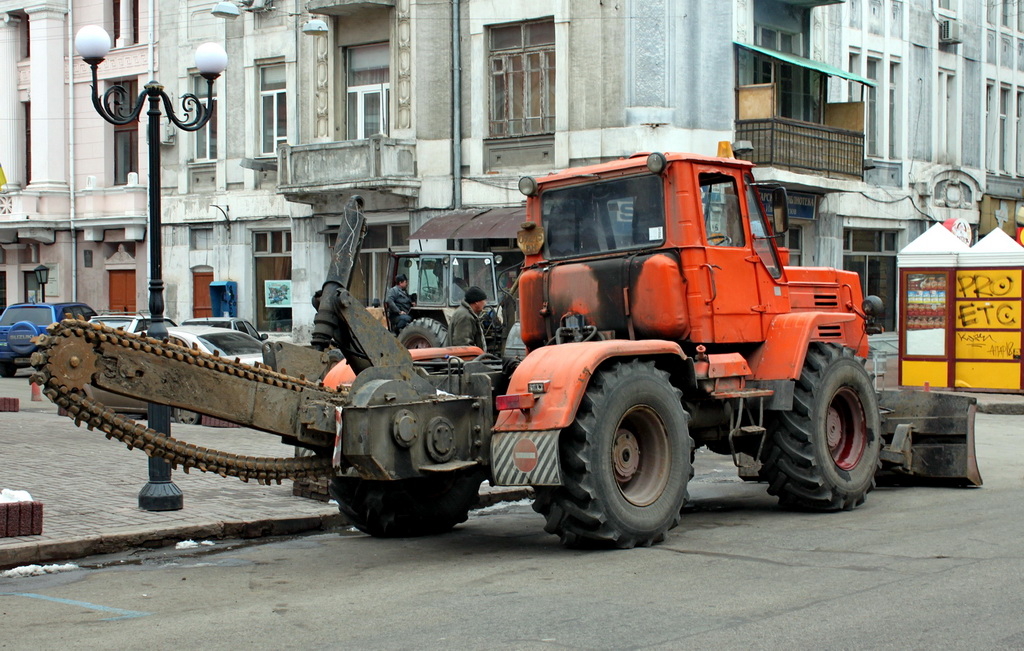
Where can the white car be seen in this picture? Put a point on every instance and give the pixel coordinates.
(229, 344)
(127, 321)
(226, 343)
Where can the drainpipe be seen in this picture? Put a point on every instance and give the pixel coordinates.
(456, 106)
(71, 148)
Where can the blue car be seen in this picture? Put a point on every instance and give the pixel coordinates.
(22, 322)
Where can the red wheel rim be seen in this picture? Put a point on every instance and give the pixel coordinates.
(846, 429)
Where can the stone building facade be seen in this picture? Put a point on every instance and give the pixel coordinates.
(879, 116)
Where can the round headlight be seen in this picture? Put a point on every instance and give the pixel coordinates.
(873, 306)
(657, 162)
(528, 186)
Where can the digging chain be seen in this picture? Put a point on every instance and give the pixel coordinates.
(63, 390)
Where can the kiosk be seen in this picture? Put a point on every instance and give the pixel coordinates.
(960, 312)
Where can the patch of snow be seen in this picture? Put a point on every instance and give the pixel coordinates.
(500, 507)
(191, 544)
(7, 495)
(37, 570)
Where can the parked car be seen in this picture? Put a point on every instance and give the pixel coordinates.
(230, 322)
(229, 344)
(128, 321)
(20, 323)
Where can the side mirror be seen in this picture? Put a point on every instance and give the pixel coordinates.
(780, 211)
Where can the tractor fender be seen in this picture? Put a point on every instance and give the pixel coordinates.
(566, 369)
(781, 356)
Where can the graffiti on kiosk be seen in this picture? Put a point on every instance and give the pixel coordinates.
(988, 315)
(984, 345)
(993, 284)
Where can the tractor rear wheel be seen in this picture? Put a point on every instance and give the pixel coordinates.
(823, 454)
(408, 507)
(423, 333)
(625, 462)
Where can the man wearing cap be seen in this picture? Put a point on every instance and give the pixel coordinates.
(399, 303)
(465, 328)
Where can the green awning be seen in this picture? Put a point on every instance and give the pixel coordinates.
(823, 68)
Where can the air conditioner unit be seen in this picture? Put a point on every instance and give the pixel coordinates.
(258, 6)
(949, 32)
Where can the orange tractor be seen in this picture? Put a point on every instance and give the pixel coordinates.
(659, 315)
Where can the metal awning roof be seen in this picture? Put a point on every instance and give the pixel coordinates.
(473, 224)
(809, 64)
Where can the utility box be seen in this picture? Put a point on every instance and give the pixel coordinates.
(224, 298)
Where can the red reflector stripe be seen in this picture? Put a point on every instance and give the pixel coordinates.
(514, 401)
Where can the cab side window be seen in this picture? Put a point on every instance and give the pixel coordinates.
(723, 222)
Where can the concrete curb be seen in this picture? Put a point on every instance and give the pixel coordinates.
(155, 537)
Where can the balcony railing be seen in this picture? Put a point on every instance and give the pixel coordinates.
(377, 163)
(800, 146)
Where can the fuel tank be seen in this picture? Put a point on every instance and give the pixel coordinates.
(641, 296)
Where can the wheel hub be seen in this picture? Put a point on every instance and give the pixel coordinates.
(626, 455)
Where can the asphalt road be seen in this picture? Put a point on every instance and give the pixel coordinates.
(914, 568)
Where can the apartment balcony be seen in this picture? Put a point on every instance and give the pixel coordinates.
(346, 7)
(810, 4)
(804, 147)
(378, 164)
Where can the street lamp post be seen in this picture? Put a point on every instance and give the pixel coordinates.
(115, 106)
(42, 273)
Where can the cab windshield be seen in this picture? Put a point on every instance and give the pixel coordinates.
(613, 215)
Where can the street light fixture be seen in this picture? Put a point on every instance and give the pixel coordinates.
(115, 106)
(42, 273)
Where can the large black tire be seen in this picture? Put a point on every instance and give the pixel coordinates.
(625, 462)
(8, 369)
(824, 453)
(409, 507)
(423, 333)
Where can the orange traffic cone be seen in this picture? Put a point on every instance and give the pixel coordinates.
(37, 393)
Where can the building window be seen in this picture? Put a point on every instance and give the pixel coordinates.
(522, 65)
(126, 22)
(272, 257)
(369, 90)
(894, 110)
(947, 4)
(856, 89)
(1004, 130)
(874, 112)
(273, 108)
(206, 138)
(794, 242)
(1020, 132)
(991, 153)
(200, 239)
(1009, 13)
(126, 136)
(872, 254)
(948, 116)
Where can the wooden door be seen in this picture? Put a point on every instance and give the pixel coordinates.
(121, 284)
(201, 293)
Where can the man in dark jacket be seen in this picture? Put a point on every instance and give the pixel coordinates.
(465, 328)
(399, 304)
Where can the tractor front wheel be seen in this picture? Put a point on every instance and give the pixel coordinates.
(625, 462)
(423, 333)
(823, 454)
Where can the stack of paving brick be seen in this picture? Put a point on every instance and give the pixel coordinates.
(210, 421)
(314, 489)
(21, 519)
(10, 404)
